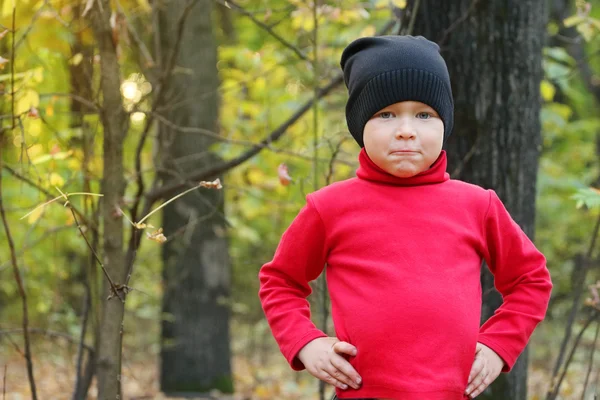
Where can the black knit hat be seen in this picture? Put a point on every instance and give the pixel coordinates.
(380, 71)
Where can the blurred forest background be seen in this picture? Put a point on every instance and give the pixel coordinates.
(127, 270)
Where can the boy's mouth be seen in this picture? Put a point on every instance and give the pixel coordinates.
(404, 152)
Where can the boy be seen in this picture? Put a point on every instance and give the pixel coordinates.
(404, 246)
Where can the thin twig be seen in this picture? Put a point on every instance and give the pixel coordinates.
(138, 41)
(413, 16)
(113, 287)
(45, 332)
(11, 245)
(457, 22)
(578, 291)
(247, 143)
(48, 194)
(45, 235)
(232, 5)
(75, 97)
(4, 382)
(591, 364)
(333, 159)
(80, 346)
(595, 314)
(31, 24)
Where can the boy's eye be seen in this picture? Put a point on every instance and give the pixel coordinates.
(386, 115)
(423, 115)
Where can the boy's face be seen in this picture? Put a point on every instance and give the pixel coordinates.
(405, 138)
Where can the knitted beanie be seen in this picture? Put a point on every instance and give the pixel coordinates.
(383, 70)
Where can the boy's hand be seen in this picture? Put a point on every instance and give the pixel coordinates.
(486, 368)
(322, 359)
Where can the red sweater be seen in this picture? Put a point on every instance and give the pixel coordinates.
(404, 257)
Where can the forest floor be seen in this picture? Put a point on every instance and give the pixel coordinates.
(264, 376)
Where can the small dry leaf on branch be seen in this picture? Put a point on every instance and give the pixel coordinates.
(157, 236)
(138, 225)
(2, 34)
(284, 176)
(33, 112)
(3, 62)
(216, 184)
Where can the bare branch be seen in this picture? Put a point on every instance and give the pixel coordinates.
(221, 138)
(114, 288)
(48, 194)
(75, 97)
(136, 38)
(456, 23)
(555, 385)
(577, 293)
(207, 174)
(49, 333)
(162, 88)
(9, 239)
(591, 363)
(231, 4)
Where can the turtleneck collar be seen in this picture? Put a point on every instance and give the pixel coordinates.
(369, 171)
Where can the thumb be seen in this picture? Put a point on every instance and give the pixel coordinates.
(478, 348)
(345, 348)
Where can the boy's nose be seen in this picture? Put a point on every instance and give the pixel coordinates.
(405, 131)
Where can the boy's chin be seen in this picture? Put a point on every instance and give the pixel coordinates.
(405, 173)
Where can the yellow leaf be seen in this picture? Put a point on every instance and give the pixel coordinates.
(76, 59)
(547, 90)
(29, 98)
(572, 21)
(56, 156)
(33, 127)
(35, 215)
(56, 180)
(37, 74)
(368, 31)
(35, 150)
(7, 8)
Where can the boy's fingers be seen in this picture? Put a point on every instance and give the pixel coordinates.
(326, 377)
(347, 373)
(344, 348)
(477, 381)
(475, 369)
(479, 389)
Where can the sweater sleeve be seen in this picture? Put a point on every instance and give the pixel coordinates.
(284, 283)
(521, 277)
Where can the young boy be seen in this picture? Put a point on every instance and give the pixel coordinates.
(404, 246)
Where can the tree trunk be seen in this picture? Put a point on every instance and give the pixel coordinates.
(81, 75)
(494, 53)
(115, 125)
(195, 351)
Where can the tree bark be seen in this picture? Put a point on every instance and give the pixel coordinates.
(494, 53)
(115, 125)
(195, 350)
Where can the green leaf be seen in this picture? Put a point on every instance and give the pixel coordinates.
(589, 197)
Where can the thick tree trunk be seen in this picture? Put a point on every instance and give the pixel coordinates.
(115, 125)
(195, 351)
(494, 53)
